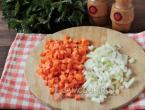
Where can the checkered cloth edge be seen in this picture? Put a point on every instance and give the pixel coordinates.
(14, 92)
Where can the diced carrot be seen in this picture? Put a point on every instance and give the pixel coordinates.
(39, 71)
(70, 78)
(63, 77)
(66, 85)
(45, 77)
(51, 82)
(82, 51)
(77, 97)
(46, 46)
(66, 38)
(69, 51)
(71, 85)
(51, 90)
(74, 82)
(79, 77)
(43, 60)
(84, 42)
(61, 65)
(60, 85)
(43, 54)
(69, 95)
(50, 76)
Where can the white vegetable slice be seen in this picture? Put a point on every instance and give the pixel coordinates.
(132, 60)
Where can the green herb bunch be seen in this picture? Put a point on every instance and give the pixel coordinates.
(43, 16)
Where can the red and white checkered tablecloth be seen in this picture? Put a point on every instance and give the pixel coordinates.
(14, 92)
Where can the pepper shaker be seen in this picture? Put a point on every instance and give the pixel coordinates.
(122, 15)
(98, 11)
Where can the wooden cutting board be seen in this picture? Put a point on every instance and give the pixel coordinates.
(98, 36)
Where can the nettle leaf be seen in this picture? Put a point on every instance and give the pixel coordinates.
(42, 21)
(76, 18)
(25, 2)
(43, 16)
(62, 6)
(79, 5)
(9, 1)
(17, 8)
(57, 4)
(28, 12)
(15, 24)
(68, 1)
(62, 17)
(47, 6)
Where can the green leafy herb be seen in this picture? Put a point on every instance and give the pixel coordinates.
(44, 16)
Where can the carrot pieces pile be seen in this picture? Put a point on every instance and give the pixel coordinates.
(61, 66)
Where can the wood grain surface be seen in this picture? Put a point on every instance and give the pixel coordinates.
(7, 36)
(98, 36)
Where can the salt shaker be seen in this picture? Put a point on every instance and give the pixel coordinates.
(122, 15)
(98, 11)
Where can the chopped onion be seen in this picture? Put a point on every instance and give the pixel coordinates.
(106, 73)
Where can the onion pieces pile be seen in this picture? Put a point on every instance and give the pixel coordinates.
(106, 73)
